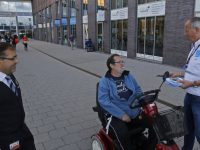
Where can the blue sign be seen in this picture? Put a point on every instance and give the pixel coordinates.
(64, 21)
(72, 21)
(51, 24)
(57, 23)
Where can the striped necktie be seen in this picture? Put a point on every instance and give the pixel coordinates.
(11, 85)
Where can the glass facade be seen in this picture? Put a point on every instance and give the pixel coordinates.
(8, 19)
(119, 37)
(73, 32)
(150, 37)
(73, 11)
(146, 1)
(119, 4)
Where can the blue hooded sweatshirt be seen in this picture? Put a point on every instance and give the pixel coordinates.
(110, 100)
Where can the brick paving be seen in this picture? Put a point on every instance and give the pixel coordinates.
(58, 99)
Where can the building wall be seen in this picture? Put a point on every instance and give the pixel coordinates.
(92, 22)
(107, 28)
(132, 28)
(176, 45)
(79, 25)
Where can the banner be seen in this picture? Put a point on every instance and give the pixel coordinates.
(119, 14)
(44, 25)
(85, 19)
(48, 25)
(40, 26)
(151, 9)
(72, 21)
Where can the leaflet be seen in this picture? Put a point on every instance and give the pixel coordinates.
(173, 82)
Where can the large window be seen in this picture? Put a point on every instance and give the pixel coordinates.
(73, 11)
(64, 9)
(100, 4)
(85, 7)
(119, 4)
(119, 34)
(57, 11)
(150, 37)
(146, 1)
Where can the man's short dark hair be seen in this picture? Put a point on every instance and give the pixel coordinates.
(3, 47)
(111, 60)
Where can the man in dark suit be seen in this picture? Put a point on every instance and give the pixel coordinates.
(7, 38)
(14, 134)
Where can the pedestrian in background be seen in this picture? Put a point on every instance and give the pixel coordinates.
(191, 83)
(71, 39)
(13, 37)
(14, 134)
(7, 38)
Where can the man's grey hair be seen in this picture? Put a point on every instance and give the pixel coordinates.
(194, 22)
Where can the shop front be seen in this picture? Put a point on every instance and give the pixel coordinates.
(150, 31)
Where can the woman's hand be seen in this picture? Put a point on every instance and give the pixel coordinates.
(126, 118)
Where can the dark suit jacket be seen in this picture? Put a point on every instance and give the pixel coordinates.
(12, 113)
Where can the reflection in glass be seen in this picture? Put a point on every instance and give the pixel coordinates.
(125, 34)
(100, 35)
(159, 35)
(47, 14)
(119, 35)
(114, 5)
(119, 3)
(12, 7)
(125, 3)
(141, 1)
(114, 35)
(4, 6)
(19, 6)
(149, 41)
(27, 7)
(141, 34)
(64, 10)
(65, 39)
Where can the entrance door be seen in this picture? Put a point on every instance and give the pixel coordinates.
(100, 37)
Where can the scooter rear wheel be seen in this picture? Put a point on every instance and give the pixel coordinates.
(96, 144)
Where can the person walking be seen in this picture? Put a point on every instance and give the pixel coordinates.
(13, 37)
(71, 39)
(25, 42)
(191, 83)
(14, 134)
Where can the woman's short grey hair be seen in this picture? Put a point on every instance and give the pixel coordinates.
(194, 22)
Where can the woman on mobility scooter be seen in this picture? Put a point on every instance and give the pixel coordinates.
(25, 42)
(117, 89)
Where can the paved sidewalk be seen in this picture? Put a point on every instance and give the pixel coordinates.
(58, 98)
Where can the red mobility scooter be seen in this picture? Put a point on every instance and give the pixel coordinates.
(168, 124)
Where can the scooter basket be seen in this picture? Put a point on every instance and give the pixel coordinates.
(170, 123)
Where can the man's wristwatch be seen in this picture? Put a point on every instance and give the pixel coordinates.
(195, 84)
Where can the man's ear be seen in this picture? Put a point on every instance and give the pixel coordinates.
(197, 30)
(111, 65)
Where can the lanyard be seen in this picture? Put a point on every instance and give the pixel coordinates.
(188, 60)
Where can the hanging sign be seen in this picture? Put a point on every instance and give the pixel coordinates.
(44, 25)
(85, 19)
(40, 26)
(48, 25)
(57, 23)
(151, 9)
(64, 21)
(72, 21)
(101, 15)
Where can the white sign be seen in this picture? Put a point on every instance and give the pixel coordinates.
(119, 14)
(48, 25)
(151, 9)
(85, 19)
(197, 15)
(35, 27)
(101, 15)
(44, 25)
(197, 4)
(39, 25)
